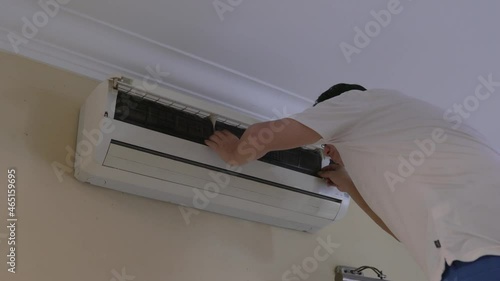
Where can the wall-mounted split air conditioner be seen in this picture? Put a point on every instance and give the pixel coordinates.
(151, 144)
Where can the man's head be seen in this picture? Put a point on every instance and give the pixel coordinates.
(336, 90)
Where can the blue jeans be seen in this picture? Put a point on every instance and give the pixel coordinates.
(486, 268)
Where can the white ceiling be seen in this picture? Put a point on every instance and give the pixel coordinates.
(294, 44)
(434, 50)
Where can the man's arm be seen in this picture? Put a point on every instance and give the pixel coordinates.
(337, 175)
(260, 139)
(354, 193)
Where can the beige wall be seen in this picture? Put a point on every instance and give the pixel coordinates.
(73, 231)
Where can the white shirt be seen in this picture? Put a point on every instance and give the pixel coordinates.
(434, 183)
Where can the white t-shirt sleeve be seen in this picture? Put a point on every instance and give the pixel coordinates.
(333, 118)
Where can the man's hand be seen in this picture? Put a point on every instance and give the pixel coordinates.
(225, 144)
(335, 174)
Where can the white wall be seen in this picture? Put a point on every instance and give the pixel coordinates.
(73, 231)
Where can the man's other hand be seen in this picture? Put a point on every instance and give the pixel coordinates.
(336, 175)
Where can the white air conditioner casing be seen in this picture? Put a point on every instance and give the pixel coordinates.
(133, 159)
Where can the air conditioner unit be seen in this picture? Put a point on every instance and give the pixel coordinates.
(151, 143)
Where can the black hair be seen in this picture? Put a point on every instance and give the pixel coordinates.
(338, 89)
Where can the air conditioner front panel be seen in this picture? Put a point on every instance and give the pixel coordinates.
(204, 180)
(180, 194)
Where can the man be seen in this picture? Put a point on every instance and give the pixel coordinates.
(425, 178)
